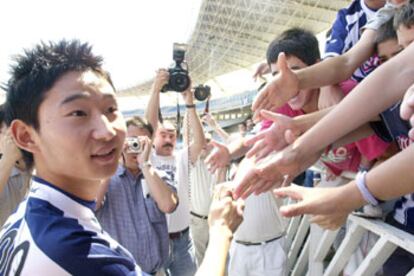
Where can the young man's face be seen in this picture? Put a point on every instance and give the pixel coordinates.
(405, 35)
(81, 131)
(388, 49)
(131, 158)
(164, 141)
(304, 96)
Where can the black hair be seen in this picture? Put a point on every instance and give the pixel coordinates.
(140, 122)
(2, 115)
(35, 72)
(295, 42)
(386, 32)
(404, 15)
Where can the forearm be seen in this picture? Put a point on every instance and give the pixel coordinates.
(237, 149)
(151, 112)
(386, 85)
(221, 132)
(197, 130)
(394, 177)
(355, 135)
(5, 171)
(340, 68)
(165, 198)
(214, 263)
(381, 182)
(305, 122)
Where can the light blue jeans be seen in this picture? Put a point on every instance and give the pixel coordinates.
(181, 261)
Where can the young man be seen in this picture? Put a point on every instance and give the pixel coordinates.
(176, 164)
(63, 115)
(135, 200)
(14, 177)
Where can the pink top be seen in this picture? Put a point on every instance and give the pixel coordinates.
(346, 158)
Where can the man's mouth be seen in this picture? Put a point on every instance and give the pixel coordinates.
(104, 156)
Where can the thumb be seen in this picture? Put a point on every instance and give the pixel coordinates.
(290, 137)
(275, 117)
(217, 144)
(282, 63)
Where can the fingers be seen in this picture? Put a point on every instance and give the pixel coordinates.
(252, 140)
(259, 100)
(294, 192)
(282, 63)
(266, 114)
(255, 149)
(295, 209)
(290, 137)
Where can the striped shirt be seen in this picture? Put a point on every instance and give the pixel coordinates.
(346, 33)
(55, 233)
(131, 216)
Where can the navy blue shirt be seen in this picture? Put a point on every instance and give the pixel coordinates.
(55, 233)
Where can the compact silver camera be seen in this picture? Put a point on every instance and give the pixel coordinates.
(133, 145)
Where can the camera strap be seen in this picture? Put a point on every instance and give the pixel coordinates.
(207, 106)
(178, 119)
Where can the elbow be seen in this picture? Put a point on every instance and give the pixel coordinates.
(169, 205)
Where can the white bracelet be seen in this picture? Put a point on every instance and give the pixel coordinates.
(362, 186)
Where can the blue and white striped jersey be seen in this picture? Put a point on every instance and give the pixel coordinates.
(55, 233)
(345, 33)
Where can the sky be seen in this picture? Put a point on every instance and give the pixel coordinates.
(134, 37)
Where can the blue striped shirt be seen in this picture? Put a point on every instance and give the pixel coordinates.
(131, 216)
(55, 233)
(346, 33)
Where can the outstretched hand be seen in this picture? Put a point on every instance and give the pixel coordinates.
(219, 157)
(278, 91)
(274, 138)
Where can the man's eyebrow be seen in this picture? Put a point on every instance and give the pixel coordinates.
(75, 97)
(85, 96)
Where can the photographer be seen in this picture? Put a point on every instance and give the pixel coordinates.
(176, 164)
(132, 203)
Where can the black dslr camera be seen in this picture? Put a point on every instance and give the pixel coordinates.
(179, 80)
(202, 92)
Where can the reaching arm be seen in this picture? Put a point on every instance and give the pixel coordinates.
(224, 218)
(196, 129)
(386, 85)
(344, 199)
(216, 127)
(163, 195)
(151, 112)
(321, 74)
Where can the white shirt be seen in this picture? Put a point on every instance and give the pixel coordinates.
(202, 187)
(176, 166)
(261, 220)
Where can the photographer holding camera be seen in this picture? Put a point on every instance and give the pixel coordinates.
(132, 204)
(176, 163)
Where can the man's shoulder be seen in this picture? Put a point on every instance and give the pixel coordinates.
(64, 242)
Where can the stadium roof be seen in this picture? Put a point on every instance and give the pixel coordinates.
(233, 34)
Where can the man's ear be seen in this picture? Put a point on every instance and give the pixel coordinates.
(23, 135)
